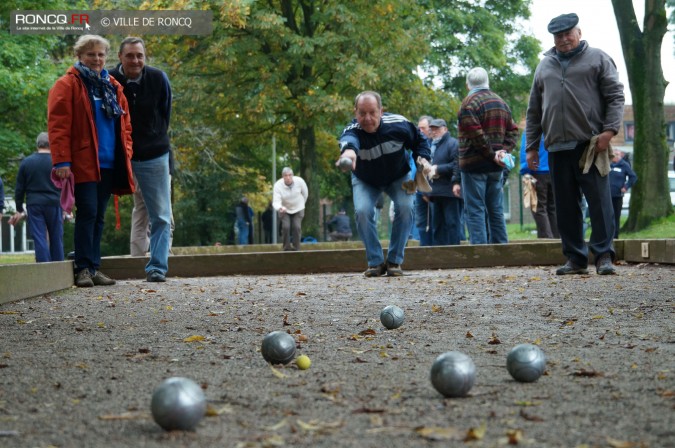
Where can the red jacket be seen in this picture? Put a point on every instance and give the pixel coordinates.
(72, 132)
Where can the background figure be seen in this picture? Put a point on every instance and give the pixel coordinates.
(244, 220)
(289, 198)
(149, 94)
(446, 205)
(341, 229)
(90, 138)
(43, 201)
(422, 206)
(621, 179)
(487, 134)
(377, 143)
(2, 199)
(581, 115)
(544, 214)
(267, 223)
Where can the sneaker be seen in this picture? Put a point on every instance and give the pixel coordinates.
(394, 270)
(604, 266)
(570, 268)
(155, 276)
(83, 279)
(376, 271)
(100, 279)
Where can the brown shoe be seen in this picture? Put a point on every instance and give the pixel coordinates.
(376, 271)
(83, 279)
(100, 279)
(394, 270)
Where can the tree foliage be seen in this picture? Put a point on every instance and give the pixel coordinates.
(650, 198)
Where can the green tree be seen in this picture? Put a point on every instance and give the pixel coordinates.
(650, 197)
(29, 65)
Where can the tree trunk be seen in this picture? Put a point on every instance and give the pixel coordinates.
(650, 197)
(311, 225)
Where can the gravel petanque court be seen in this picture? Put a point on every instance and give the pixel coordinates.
(78, 367)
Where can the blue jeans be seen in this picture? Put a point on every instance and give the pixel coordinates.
(155, 183)
(365, 197)
(46, 226)
(482, 193)
(242, 227)
(91, 201)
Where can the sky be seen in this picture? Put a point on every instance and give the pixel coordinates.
(598, 28)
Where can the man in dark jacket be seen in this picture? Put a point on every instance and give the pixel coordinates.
(576, 98)
(43, 201)
(621, 179)
(149, 94)
(447, 206)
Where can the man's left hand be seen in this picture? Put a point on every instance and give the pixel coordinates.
(603, 141)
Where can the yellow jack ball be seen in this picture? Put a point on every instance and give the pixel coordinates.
(303, 362)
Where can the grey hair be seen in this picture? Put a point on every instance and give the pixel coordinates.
(365, 93)
(286, 170)
(477, 78)
(131, 40)
(42, 140)
(426, 117)
(87, 41)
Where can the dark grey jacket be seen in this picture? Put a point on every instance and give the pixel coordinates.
(574, 103)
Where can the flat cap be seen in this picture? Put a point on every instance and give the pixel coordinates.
(437, 123)
(562, 23)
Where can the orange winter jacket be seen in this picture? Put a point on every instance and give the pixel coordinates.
(72, 133)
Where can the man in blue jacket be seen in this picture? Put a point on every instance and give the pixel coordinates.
(149, 94)
(43, 201)
(544, 214)
(377, 142)
(447, 206)
(621, 179)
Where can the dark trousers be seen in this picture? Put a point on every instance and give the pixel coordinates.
(545, 215)
(423, 220)
(91, 201)
(45, 223)
(447, 220)
(617, 205)
(291, 223)
(568, 185)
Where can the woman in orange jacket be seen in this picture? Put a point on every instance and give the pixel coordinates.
(90, 138)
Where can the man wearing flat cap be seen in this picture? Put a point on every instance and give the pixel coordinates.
(446, 204)
(576, 101)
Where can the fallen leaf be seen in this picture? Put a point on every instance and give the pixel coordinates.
(277, 373)
(530, 417)
(212, 411)
(494, 340)
(438, 433)
(469, 334)
(514, 436)
(476, 433)
(587, 373)
(368, 411)
(436, 308)
(367, 332)
(125, 416)
(194, 338)
(277, 426)
(614, 443)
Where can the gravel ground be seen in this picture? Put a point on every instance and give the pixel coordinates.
(78, 367)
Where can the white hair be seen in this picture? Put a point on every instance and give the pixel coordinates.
(477, 78)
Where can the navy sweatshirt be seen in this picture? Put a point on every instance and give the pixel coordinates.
(34, 182)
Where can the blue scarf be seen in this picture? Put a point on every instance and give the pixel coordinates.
(100, 86)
